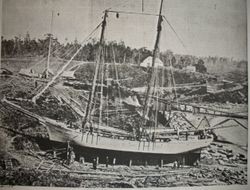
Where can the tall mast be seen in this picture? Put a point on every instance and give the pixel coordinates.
(99, 59)
(50, 36)
(156, 50)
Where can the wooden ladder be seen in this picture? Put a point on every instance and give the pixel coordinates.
(45, 165)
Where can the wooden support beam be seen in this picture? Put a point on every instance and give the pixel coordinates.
(130, 163)
(161, 163)
(114, 161)
(97, 160)
(183, 160)
(82, 160)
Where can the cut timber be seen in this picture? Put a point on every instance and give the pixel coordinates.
(122, 184)
(56, 76)
(72, 106)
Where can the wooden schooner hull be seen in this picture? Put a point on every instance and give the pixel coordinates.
(123, 150)
(126, 150)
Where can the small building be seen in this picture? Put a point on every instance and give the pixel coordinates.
(214, 88)
(148, 62)
(69, 75)
(190, 68)
(4, 71)
(29, 73)
(228, 84)
(50, 73)
(132, 101)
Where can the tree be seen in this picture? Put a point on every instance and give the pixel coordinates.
(166, 56)
(173, 60)
(200, 67)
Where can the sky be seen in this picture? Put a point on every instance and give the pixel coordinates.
(206, 27)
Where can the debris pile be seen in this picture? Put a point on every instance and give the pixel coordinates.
(32, 177)
(22, 143)
(224, 155)
(119, 177)
(239, 96)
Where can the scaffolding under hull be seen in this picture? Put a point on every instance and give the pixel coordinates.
(124, 151)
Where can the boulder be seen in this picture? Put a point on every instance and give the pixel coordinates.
(212, 150)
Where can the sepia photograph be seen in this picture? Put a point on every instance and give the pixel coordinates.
(123, 93)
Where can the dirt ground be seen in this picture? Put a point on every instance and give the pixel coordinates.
(221, 164)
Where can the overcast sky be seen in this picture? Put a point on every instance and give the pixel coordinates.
(207, 27)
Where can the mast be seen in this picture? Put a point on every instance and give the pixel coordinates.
(50, 36)
(99, 59)
(156, 50)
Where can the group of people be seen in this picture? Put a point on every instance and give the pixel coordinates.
(142, 133)
(107, 162)
(87, 125)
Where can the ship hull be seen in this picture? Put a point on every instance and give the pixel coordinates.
(135, 158)
(124, 151)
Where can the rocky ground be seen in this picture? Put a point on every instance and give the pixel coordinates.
(220, 164)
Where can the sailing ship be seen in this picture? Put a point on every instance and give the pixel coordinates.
(148, 143)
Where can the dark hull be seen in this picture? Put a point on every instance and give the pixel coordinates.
(124, 158)
(137, 158)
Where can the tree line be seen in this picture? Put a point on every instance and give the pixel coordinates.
(113, 51)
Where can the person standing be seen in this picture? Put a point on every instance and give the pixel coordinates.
(114, 161)
(153, 137)
(85, 125)
(94, 164)
(186, 136)
(72, 156)
(68, 153)
(91, 128)
(107, 161)
(178, 132)
(140, 132)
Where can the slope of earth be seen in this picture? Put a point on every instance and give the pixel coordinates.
(38, 64)
(221, 163)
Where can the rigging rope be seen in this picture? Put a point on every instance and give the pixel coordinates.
(63, 56)
(117, 78)
(157, 101)
(123, 4)
(64, 67)
(172, 74)
(107, 74)
(132, 13)
(44, 58)
(171, 66)
(178, 37)
(104, 71)
(101, 95)
(152, 91)
(68, 52)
